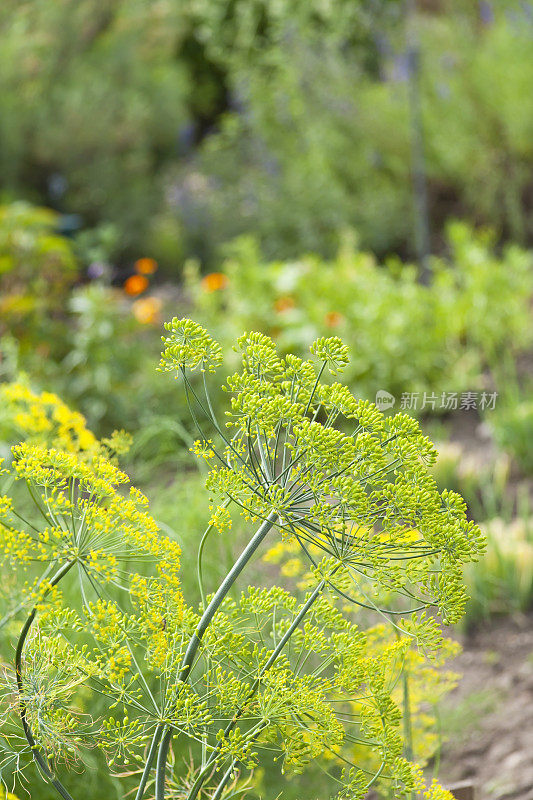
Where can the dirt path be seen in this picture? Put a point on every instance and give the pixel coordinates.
(489, 717)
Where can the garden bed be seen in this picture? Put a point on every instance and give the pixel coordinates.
(488, 719)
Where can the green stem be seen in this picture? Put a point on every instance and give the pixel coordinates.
(150, 760)
(37, 756)
(273, 657)
(225, 778)
(196, 638)
(14, 611)
(407, 725)
(407, 728)
(207, 531)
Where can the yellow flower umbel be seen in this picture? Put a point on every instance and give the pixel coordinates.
(84, 525)
(43, 418)
(88, 521)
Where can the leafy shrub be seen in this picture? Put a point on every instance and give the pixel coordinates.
(317, 142)
(237, 676)
(107, 97)
(504, 582)
(296, 166)
(101, 363)
(478, 118)
(513, 429)
(37, 268)
(105, 357)
(185, 126)
(119, 94)
(104, 351)
(492, 294)
(403, 336)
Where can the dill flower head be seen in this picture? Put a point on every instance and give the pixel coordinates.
(125, 611)
(84, 517)
(44, 418)
(188, 346)
(339, 476)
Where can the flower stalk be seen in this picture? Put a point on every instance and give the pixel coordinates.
(37, 755)
(196, 638)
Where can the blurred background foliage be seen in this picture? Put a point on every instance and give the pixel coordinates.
(254, 164)
(184, 124)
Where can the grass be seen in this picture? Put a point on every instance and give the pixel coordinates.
(460, 719)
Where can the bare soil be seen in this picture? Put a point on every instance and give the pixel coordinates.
(488, 718)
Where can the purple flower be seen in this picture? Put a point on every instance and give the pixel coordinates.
(96, 270)
(486, 12)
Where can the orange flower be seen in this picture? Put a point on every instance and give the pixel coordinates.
(214, 281)
(145, 266)
(146, 309)
(284, 304)
(135, 284)
(333, 318)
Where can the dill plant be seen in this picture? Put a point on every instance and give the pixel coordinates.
(305, 463)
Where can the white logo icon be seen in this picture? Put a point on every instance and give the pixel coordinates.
(384, 400)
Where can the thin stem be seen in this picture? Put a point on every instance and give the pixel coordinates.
(255, 686)
(37, 756)
(407, 726)
(308, 406)
(207, 531)
(150, 760)
(196, 638)
(225, 778)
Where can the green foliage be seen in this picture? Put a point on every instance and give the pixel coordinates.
(504, 582)
(491, 293)
(105, 356)
(483, 480)
(403, 336)
(320, 140)
(239, 676)
(478, 118)
(103, 366)
(513, 429)
(107, 372)
(185, 125)
(37, 268)
(95, 95)
(297, 164)
(119, 94)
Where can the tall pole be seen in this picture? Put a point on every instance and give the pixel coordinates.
(418, 161)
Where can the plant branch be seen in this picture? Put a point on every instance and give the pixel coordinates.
(194, 643)
(255, 686)
(37, 756)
